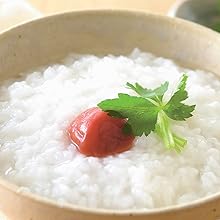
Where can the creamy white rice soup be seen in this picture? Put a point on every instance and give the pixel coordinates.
(37, 155)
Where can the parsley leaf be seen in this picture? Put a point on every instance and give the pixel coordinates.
(148, 113)
(175, 109)
(141, 113)
(180, 112)
(155, 94)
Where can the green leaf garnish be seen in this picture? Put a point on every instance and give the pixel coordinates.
(175, 109)
(155, 94)
(134, 109)
(148, 112)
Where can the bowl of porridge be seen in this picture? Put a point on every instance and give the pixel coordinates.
(109, 115)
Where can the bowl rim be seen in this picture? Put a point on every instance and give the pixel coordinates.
(100, 211)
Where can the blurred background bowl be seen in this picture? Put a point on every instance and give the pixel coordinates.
(204, 12)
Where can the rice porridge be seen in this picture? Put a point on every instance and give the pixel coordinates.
(36, 154)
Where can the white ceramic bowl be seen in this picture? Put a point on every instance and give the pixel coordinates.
(102, 32)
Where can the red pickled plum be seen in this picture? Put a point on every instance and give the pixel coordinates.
(95, 133)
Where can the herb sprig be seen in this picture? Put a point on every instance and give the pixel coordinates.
(148, 112)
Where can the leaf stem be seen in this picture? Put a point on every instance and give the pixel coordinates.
(163, 130)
